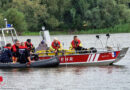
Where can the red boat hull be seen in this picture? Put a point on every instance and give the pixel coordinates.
(87, 58)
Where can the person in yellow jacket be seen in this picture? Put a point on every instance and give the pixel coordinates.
(56, 45)
(76, 44)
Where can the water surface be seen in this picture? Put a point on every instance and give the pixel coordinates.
(115, 77)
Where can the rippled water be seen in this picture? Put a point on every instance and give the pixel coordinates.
(115, 77)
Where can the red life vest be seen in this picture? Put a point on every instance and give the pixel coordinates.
(14, 49)
(55, 45)
(22, 47)
(29, 47)
(8, 48)
(75, 44)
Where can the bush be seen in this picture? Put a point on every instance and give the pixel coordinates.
(1, 21)
(17, 19)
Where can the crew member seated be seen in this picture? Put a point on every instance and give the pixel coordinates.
(15, 50)
(24, 54)
(42, 46)
(29, 45)
(56, 45)
(22, 45)
(6, 55)
(76, 44)
(20, 53)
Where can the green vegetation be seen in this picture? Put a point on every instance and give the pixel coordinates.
(66, 16)
(17, 18)
(116, 29)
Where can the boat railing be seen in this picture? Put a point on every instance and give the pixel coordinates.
(10, 32)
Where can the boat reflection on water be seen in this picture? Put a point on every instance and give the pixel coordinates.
(76, 69)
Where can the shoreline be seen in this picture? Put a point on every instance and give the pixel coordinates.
(125, 28)
(64, 33)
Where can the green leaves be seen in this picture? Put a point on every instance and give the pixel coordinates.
(2, 23)
(17, 19)
(64, 14)
(52, 22)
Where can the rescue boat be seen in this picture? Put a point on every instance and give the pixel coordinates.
(69, 57)
(106, 56)
(98, 58)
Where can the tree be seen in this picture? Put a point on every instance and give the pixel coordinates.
(35, 12)
(17, 19)
(1, 21)
(70, 14)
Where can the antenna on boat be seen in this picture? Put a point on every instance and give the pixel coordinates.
(98, 38)
(5, 22)
(108, 36)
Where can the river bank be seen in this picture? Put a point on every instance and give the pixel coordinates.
(125, 28)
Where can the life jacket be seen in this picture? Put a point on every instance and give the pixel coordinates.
(22, 49)
(14, 48)
(29, 47)
(75, 44)
(56, 45)
(6, 55)
(22, 54)
(7, 48)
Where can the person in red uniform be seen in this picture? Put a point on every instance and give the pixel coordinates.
(15, 48)
(56, 45)
(29, 45)
(76, 44)
(24, 54)
(20, 53)
(23, 45)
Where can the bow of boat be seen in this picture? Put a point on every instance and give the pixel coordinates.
(121, 54)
